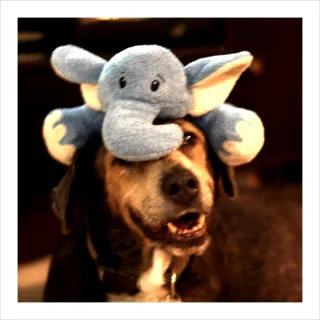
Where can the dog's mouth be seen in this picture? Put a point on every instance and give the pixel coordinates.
(190, 225)
(189, 228)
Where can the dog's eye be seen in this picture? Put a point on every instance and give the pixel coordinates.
(189, 138)
(121, 162)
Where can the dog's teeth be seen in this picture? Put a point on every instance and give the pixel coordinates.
(184, 231)
(196, 228)
(201, 221)
(172, 227)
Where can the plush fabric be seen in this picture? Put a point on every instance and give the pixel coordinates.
(236, 134)
(76, 64)
(204, 67)
(67, 130)
(146, 82)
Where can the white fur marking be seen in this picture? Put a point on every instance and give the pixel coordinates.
(153, 278)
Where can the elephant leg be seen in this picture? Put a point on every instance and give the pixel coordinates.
(67, 130)
(251, 131)
(235, 134)
(52, 135)
(129, 133)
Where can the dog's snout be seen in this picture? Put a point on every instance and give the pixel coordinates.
(180, 185)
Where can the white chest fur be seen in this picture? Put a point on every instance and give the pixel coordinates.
(153, 278)
(150, 282)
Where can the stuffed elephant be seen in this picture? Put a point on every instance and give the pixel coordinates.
(125, 95)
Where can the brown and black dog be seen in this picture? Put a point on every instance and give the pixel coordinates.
(164, 230)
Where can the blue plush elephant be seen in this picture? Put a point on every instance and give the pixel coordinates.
(126, 94)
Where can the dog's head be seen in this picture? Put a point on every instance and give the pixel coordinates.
(168, 202)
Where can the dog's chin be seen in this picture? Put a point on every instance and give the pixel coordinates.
(189, 250)
(186, 235)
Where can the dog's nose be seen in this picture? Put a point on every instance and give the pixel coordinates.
(180, 185)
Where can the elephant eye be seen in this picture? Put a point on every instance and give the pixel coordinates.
(155, 84)
(122, 82)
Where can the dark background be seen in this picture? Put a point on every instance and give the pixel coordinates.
(272, 87)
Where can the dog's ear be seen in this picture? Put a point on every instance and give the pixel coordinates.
(69, 198)
(226, 182)
(224, 177)
(60, 198)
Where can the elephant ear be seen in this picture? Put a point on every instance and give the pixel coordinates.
(212, 79)
(79, 66)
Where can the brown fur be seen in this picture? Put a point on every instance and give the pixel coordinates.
(254, 253)
(129, 186)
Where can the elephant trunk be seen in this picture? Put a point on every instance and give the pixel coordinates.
(129, 133)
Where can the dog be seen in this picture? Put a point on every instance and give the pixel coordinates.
(167, 231)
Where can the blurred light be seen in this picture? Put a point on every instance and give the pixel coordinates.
(254, 181)
(95, 20)
(257, 66)
(178, 30)
(31, 57)
(30, 36)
